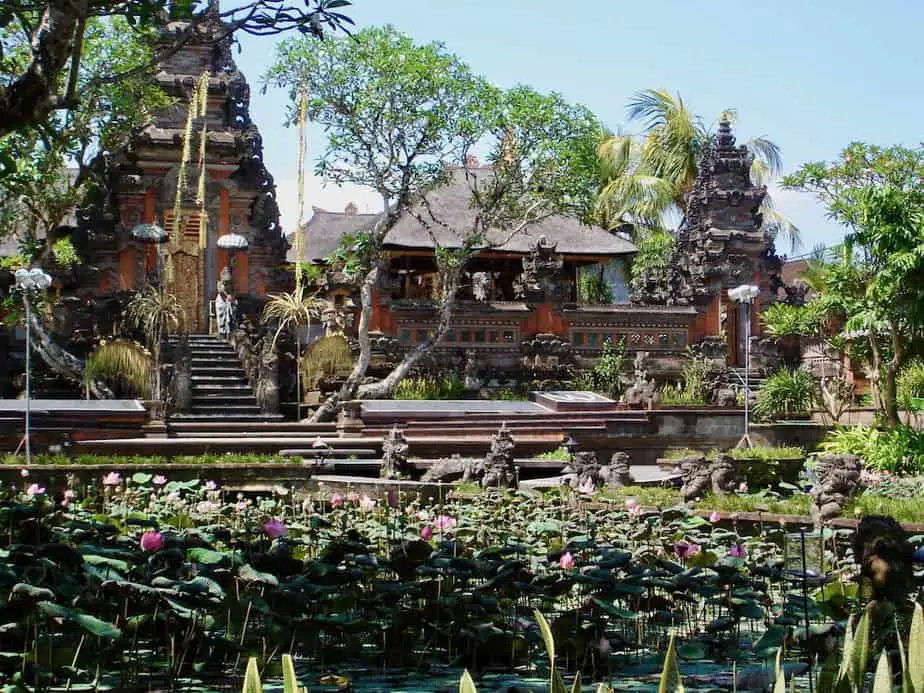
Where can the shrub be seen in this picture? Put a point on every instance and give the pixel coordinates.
(605, 377)
(328, 357)
(694, 387)
(446, 387)
(898, 450)
(784, 394)
(784, 320)
(910, 384)
(123, 365)
(592, 287)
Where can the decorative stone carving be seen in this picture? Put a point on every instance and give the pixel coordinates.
(541, 272)
(700, 476)
(721, 241)
(394, 456)
(267, 389)
(837, 479)
(499, 464)
(619, 473)
(643, 392)
(726, 397)
(472, 382)
(481, 285)
(182, 375)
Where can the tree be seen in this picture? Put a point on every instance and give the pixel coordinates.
(876, 283)
(398, 117)
(54, 167)
(43, 44)
(648, 177)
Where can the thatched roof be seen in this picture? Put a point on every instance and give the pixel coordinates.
(450, 205)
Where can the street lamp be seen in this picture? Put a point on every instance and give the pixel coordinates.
(745, 295)
(28, 281)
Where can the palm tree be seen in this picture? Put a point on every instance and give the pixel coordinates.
(648, 177)
(292, 310)
(157, 314)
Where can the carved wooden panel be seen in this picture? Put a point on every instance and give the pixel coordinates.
(186, 286)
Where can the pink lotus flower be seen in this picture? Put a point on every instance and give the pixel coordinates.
(275, 529)
(743, 487)
(205, 507)
(112, 479)
(35, 490)
(604, 646)
(69, 494)
(633, 507)
(587, 486)
(24, 473)
(423, 515)
(366, 504)
(738, 551)
(336, 500)
(160, 480)
(566, 562)
(211, 486)
(281, 491)
(444, 522)
(686, 550)
(714, 516)
(352, 497)
(426, 533)
(152, 541)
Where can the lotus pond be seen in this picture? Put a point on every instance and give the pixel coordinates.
(146, 583)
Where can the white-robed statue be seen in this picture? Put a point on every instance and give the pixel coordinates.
(224, 305)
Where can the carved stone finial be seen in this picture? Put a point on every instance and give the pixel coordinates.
(471, 161)
(351, 209)
(499, 465)
(725, 138)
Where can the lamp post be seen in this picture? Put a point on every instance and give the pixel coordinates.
(28, 281)
(745, 295)
(152, 234)
(571, 445)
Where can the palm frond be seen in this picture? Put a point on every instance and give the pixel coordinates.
(779, 225)
(156, 313)
(638, 199)
(291, 309)
(618, 155)
(769, 155)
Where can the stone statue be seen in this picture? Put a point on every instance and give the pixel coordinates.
(722, 474)
(481, 285)
(694, 472)
(394, 456)
(643, 393)
(456, 468)
(499, 464)
(837, 479)
(583, 472)
(472, 382)
(541, 271)
(619, 473)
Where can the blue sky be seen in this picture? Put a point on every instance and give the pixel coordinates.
(813, 75)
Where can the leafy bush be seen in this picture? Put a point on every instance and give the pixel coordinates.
(560, 454)
(910, 382)
(784, 394)
(592, 287)
(784, 320)
(694, 387)
(605, 377)
(446, 387)
(898, 450)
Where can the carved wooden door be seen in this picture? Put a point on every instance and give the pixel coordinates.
(187, 271)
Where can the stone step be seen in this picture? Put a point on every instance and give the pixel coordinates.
(222, 399)
(219, 370)
(210, 379)
(221, 418)
(234, 388)
(235, 408)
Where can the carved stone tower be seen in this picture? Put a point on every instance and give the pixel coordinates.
(720, 244)
(240, 195)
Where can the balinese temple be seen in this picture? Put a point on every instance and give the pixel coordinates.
(526, 295)
(230, 233)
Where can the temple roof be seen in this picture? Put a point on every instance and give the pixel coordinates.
(451, 205)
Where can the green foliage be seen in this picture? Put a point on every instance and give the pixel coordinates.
(123, 365)
(605, 377)
(559, 454)
(654, 253)
(424, 387)
(784, 320)
(910, 384)
(784, 394)
(290, 310)
(592, 287)
(327, 357)
(694, 387)
(898, 450)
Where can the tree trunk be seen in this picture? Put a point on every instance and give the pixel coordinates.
(31, 98)
(890, 390)
(348, 391)
(385, 387)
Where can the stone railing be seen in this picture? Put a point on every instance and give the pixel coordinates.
(258, 356)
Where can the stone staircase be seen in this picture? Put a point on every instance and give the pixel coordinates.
(220, 391)
(734, 378)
